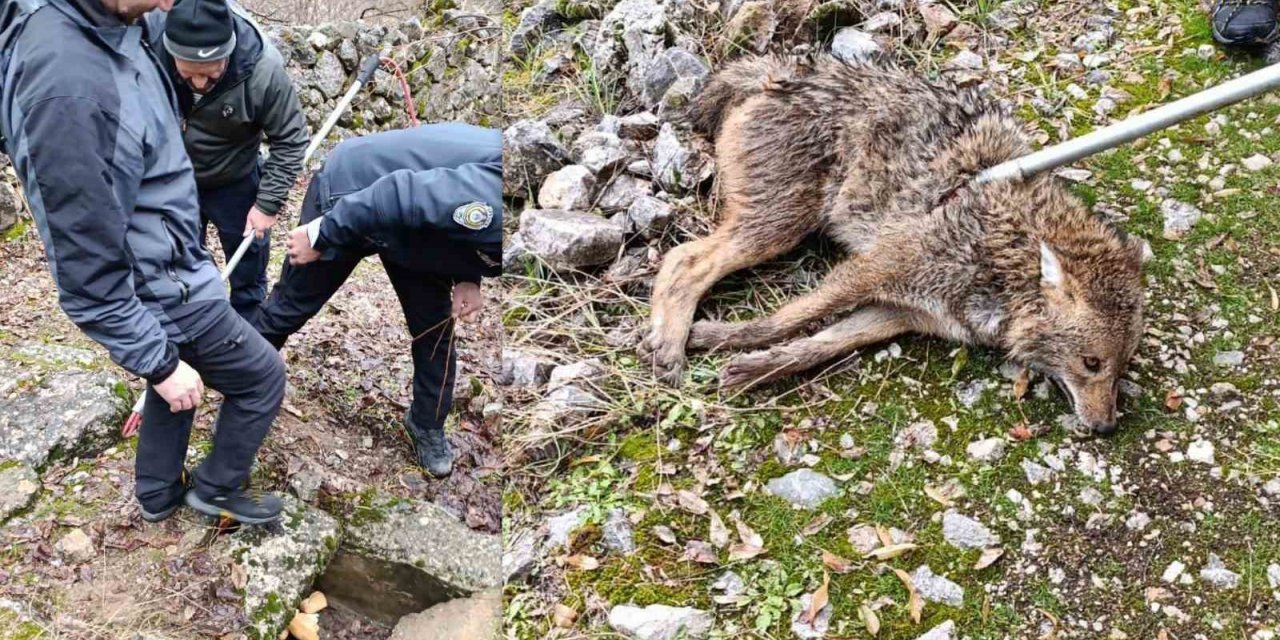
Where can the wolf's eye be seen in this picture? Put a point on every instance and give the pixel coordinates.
(1092, 364)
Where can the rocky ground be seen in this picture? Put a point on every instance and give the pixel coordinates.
(918, 490)
(390, 548)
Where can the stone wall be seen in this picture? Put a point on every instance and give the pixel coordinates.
(450, 60)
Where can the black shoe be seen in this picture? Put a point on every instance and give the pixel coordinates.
(184, 480)
(248, 507)
(1244, 23)
(434, 453)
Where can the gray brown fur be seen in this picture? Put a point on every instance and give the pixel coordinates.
(879, 160)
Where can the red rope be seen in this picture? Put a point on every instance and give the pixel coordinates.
(410, 107)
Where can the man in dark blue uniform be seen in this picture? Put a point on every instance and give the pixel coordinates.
(428, 201)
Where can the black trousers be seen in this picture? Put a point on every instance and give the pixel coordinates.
(234, 360)
(425, 298)
(227, 208)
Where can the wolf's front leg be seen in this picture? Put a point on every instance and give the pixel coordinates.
(864, 327)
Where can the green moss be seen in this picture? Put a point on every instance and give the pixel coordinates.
(17, 231)
(640, 447)
(270, 617)
(11, 628)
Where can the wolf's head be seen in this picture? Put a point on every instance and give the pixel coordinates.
(1088, 323)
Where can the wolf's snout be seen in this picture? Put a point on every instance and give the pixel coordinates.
(1104, 427)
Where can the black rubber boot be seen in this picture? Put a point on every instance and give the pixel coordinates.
(247, 507)
(1244, 23)
(179, 496)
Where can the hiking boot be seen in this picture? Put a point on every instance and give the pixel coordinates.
(434, 453)
(1244, 23)
(247, 507)
(184, 482)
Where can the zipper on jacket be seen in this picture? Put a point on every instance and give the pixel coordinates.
(173, 258)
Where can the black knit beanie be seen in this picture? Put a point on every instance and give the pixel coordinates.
(200, 30)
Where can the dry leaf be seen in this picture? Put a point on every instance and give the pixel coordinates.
(836, 563)
(937, 496)
(1021, 432)
(239, 577)
(315, 603)
(988, 558)
(1156, 594)
(890, 552)
(1172, 401)
(869, 619)
(816, 525)
(665, 534)
(916, 603)
(564, 617)
(1162, 635)
(692, 502)
(748, 536)
(701, 552)
(886, 539)
(744, 552)
(305, 626)
(583, 563)
(817, 602)
(585, 460)
(1165, 87)
(719, 532)
(1020, 384)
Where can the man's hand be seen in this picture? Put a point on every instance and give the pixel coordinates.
(299, 247)
(467, 300)
(182, 389)
(260, 222)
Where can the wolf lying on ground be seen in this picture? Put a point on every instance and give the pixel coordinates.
(880, 160)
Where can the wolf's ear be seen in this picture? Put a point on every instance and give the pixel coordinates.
(1055, 283)
(1051, 275)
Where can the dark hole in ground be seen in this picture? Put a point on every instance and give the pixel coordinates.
(379, 591)
(340, 623)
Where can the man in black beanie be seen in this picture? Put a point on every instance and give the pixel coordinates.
(233, 92)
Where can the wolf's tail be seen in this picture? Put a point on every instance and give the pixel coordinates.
(730, 87)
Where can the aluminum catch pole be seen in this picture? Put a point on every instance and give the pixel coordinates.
(1065, 153)
(367, 69)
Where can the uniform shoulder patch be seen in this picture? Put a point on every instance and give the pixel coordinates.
(473, 215)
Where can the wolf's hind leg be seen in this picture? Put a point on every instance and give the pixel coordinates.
(848, 286)
(864, 327)
(688, 272)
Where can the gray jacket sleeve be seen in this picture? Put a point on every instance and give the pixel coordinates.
(87, 226)
(280, 115)
(416, 201)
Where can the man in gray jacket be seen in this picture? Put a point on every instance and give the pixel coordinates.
(91, 125)
(233, 93)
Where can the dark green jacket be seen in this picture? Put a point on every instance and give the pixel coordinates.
(255, 99)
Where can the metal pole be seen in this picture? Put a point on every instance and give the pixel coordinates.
(1225, 94)
(367, 69)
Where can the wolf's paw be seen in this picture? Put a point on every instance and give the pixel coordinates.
(668, 362)
(708, 335)
(748, 370)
